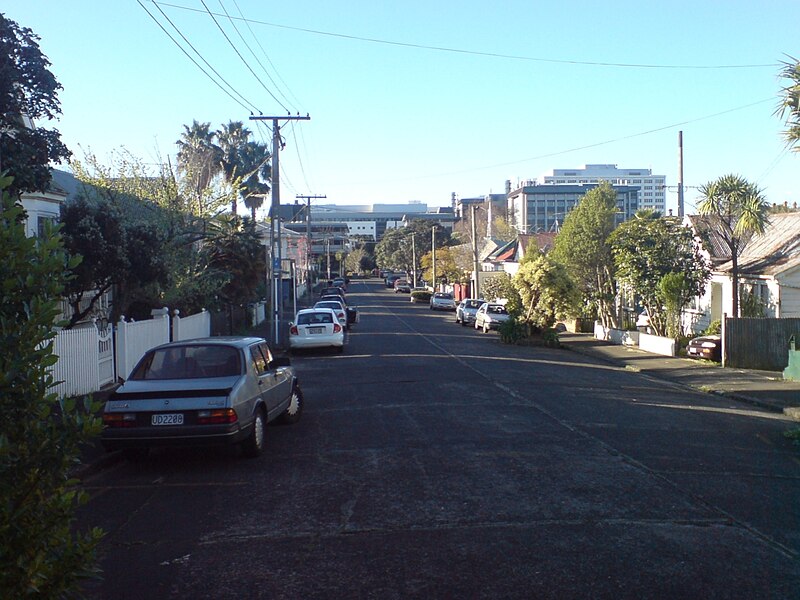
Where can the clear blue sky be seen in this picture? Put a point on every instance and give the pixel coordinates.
(514, 90)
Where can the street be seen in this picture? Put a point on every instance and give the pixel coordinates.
(432, 461)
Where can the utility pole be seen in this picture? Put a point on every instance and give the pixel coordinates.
(476, 287)
(680, 174)
(275, 225)
(413, 261)
(433, 257)
(308, 200)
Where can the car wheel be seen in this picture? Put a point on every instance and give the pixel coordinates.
(254, 444)
(463, 323)
(292, 413)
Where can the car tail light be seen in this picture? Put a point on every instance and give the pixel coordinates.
(336, 328)
(214, 417)
(293, 330)
(119, 419)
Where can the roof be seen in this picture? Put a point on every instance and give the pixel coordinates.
(544, 241)
(774, 251)
(707, 227)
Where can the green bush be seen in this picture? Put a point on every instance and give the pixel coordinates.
(513, 330)
(421, 296)
(40, 553)
(714, 328)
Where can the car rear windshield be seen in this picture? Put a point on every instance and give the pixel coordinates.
(314, 318)
(443, 295)
(189, 362)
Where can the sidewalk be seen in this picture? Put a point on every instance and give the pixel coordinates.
(765, 389)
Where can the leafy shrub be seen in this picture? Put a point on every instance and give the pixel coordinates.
(714, 328)
(513, 330)
(40, 438)
(421, 296)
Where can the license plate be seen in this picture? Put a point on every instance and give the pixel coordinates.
(316, 330)
(167, 419)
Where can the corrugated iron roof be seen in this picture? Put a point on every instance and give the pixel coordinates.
(775, 250)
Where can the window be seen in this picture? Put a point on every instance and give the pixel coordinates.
(41, 223)
(259, 359)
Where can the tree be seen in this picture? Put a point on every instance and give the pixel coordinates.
(646, 249)
(40, 440)
(27, 90)
(236, 257)
(244, 165)
(546, 291)
(503, 230)
(500, 287)
(396, 249)
(199, 160)
(446, 266)
(115, 254)
(789, 105)
(739, 210)
(582, 247)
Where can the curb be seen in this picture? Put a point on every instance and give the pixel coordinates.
(792, 412)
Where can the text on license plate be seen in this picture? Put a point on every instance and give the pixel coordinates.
(167, 419)
(316, 330)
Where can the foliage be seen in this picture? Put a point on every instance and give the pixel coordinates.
(545, 289)
(751, 305)
(738, 210)
(501, 287)
(714, 328)
(582, 246)
(503, 230)
(647, 249)
(789, 105)
(115, 253)
(421, 296)
(398, 247)
(359, 260)
(235, 255)
(513, 330)
(27, 89)
(244, 164)
(446, 267)
(39, 444)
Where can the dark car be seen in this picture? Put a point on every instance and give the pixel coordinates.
(706, 346)
(207, 391)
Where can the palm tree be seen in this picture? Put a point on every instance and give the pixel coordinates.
(232, 140)
(739, 210)
(790, 103)
(257, 172)
(198, 158)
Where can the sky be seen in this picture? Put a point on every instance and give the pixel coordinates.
(416, 100)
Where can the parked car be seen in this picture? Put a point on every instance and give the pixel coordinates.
(442, 301)
(402, 285)
(390, 279)
(333, 291)
(340, 282)
(466, 309)
(490, 315)
(318, 327)
(706, 346)
(350, 311)
(337, 306)
(207, 391)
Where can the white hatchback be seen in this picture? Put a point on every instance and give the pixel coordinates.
(316, 328)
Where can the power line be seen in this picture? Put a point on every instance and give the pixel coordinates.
(264, 52)
(182, 49)
(485, 54)
(239, 54)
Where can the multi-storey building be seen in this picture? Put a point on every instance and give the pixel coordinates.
(652, 188)
(538, 208)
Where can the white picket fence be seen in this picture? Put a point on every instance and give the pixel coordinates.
(90, 358)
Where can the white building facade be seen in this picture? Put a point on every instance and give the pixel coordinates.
(652, 194)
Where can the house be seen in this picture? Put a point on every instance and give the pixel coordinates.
(769, 272)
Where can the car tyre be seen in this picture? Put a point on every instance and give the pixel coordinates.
(254, 444)
(292, 414)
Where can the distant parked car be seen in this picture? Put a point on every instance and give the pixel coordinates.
(490, 315)
(443, 301)
(207, 391)
(336, 305)
(706, 346)
(318, 327)
(402, 285)
(390, 279)
(466, 309)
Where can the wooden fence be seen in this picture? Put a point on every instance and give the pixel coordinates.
(758, 343)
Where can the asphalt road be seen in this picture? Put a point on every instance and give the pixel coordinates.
(434, 462)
